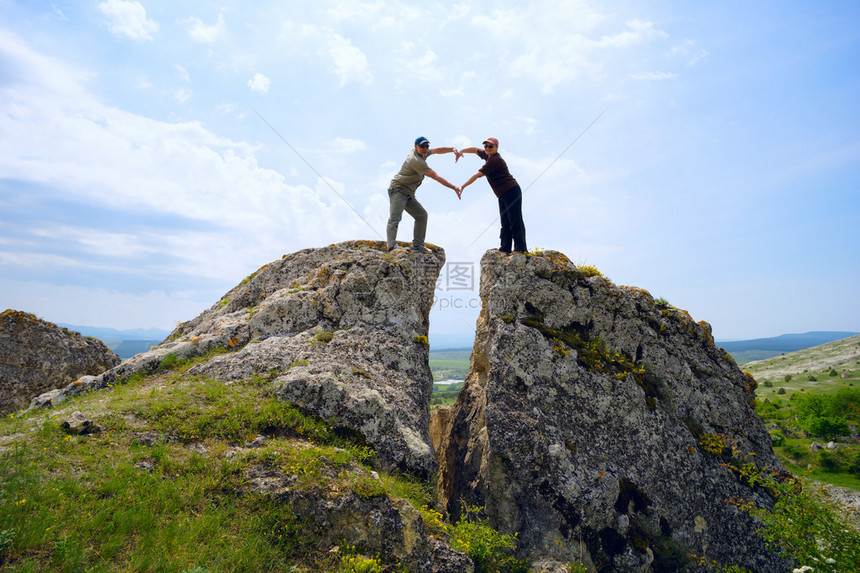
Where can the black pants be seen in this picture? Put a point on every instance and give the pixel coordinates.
(511, 214)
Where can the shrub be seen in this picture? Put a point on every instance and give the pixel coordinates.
(806, 526)
(781, 391)
(793, 450)
(853, 465)
(589, 271)
(360, 564)
(777, 439)
(488, 549)
(324, 336)
(827, 427)
(828, 461)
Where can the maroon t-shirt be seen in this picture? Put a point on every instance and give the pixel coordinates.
(496, 171)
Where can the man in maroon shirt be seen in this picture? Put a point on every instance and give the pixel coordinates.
(506, 189)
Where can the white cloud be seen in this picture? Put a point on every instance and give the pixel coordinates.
(97, 306)
(182, 95)
(30, 68)
(689, 51)
(654, 76)
(259, 83)
(344, 145)
(98, 155)
(57, 13)
(182, 72)
(345, 60)
(637, 32)
(528, 124)
(352, 11)
(128, 19)
(570, 45)
(421, 68)
(349, 62)
(200, 32)
(456, 12)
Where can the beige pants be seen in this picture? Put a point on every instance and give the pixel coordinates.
(402, 202)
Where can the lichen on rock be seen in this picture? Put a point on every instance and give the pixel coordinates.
(337, 330)
(580, 421)
(37, 356)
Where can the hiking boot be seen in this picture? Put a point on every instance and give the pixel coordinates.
(420, 249)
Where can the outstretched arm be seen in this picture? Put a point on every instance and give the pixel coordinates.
(440, 150)
(433, 175)
(471, 180)
(463, 152)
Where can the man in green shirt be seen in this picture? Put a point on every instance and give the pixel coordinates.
(401, 192)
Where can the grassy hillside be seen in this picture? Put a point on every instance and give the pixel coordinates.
(744, 351)
(164, 485)
(810, 400)
(449, 364)
(840, 355)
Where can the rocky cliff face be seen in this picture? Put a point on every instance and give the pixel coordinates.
(602, 426)
(339, 331)
(36, 356)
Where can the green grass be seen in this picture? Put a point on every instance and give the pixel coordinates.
(105, 502)
(445, 394)
(449, 365)
(163, 486)
(87, 503)
(784, 383)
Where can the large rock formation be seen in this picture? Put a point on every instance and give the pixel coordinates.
(36, 356)
(340, 331)
(602, 426)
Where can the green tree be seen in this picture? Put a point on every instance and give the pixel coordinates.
(826, 427)
(807, 526)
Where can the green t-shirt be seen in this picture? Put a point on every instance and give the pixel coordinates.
(411, 173)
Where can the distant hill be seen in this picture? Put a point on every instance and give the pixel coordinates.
(744, 351)
(114, 334)
(126, 343)
(451, 341)
(841, 355)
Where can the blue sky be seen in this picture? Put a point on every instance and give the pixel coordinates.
(139, 180)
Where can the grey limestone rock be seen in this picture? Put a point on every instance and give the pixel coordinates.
(80, 425)
(582, 421)
(339, 331)
(382, 525)
(37, 356)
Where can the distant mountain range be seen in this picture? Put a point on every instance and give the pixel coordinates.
(463, 341)
(760, 348)
(127, 343)
(104, 334)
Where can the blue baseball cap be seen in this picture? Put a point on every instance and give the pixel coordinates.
(422, 140)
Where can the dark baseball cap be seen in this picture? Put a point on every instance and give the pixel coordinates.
(422, 140)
